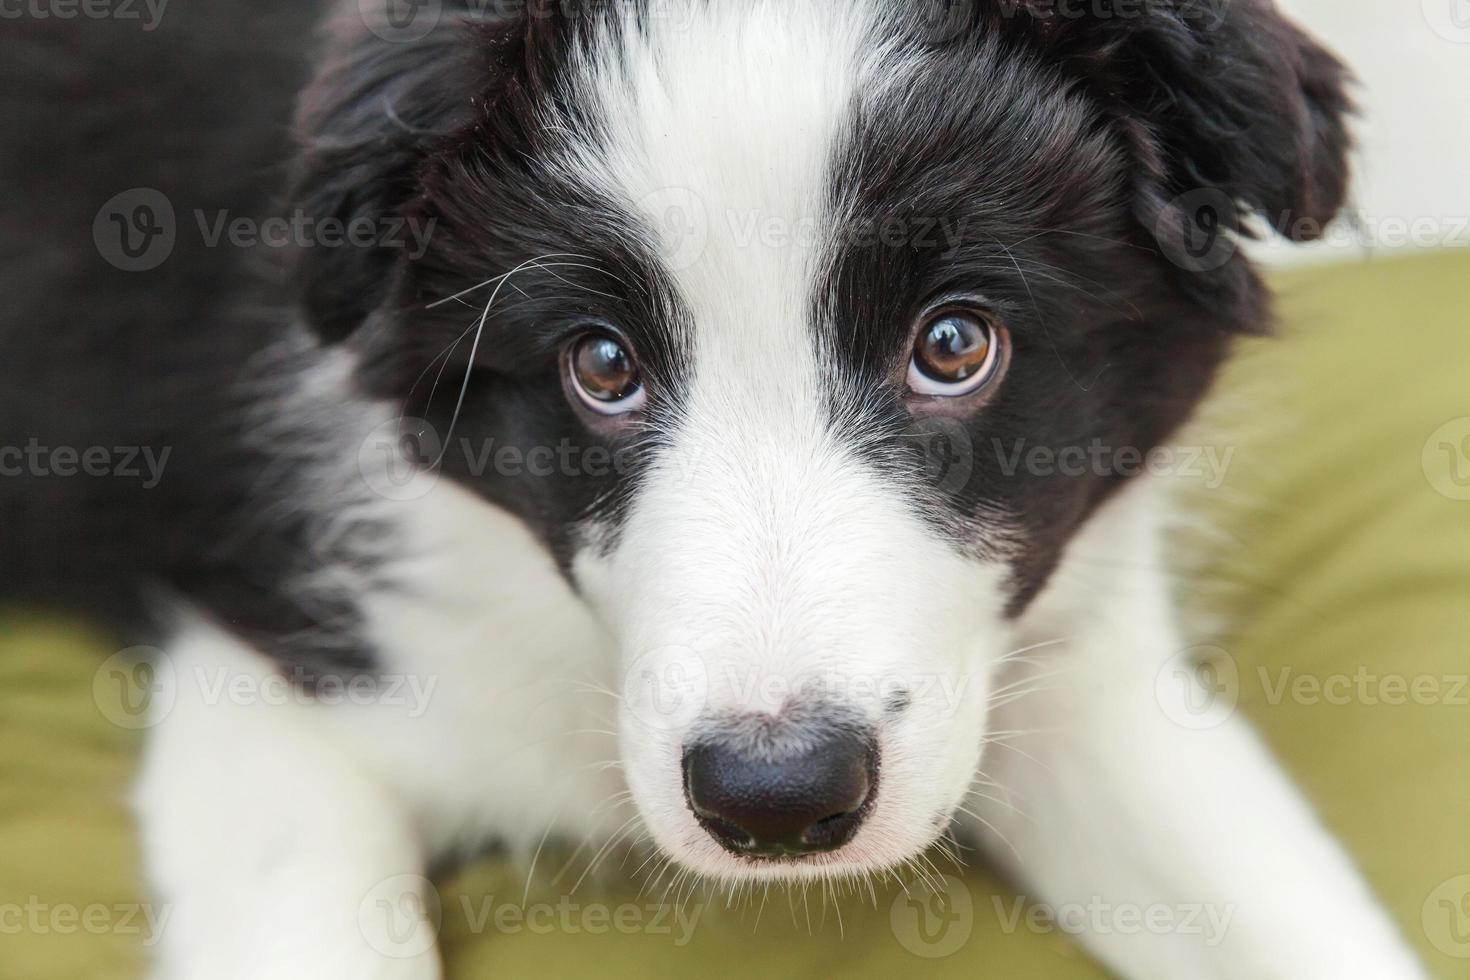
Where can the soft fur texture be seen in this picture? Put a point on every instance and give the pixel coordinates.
(762, 198)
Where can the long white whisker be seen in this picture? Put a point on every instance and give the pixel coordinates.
(487, 282)
(526, 892)
(470, 366)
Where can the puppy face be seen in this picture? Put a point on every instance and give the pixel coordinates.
(778, 295)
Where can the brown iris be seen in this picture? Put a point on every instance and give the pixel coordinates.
(604, 371)
(953, 347)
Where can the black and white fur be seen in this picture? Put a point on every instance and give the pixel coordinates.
(772, 527)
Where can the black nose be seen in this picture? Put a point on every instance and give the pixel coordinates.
(802, 800)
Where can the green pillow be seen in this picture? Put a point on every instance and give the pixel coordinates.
(1337, 590)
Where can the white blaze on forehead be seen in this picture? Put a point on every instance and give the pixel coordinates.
(722, 117)
(718, 123)
(761, 533)
(762, 553)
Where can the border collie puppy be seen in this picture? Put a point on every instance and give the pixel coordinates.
(690, 376)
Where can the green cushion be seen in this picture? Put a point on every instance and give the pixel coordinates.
(1342, 585)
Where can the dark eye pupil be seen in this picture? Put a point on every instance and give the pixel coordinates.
(604, 369)
(953, 348)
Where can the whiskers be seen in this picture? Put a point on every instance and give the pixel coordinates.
(1031, 682)
(542, 263)
(497, 280)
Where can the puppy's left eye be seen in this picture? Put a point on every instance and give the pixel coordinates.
(956, 352)
(605, 374)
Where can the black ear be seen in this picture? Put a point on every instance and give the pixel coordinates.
(387, 92)
(1230, 109)
(1243, 103)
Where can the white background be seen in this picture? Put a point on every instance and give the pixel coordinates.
(1412, 58)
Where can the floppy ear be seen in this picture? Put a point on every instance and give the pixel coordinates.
(364, 124)
(1230, 110)
(387, 93)
(1243, 103)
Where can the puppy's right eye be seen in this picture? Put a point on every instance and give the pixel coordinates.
(605, 375)
(956, 352)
